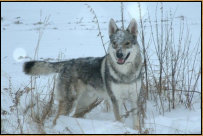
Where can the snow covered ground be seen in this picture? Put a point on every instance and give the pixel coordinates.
(72, 33)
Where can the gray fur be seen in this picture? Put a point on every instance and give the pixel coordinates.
(122, 36)
(82, 81)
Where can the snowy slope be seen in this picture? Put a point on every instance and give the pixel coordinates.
(70, 31)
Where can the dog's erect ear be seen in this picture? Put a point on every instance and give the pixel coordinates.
(132, 28)
(112, 27)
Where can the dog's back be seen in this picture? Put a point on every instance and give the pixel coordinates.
(86, 70)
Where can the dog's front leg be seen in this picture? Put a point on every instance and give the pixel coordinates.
(116, 108)
(134, 105)
(136, 122)
(120, 106)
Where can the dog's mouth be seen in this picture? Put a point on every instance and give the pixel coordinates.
(122, 60)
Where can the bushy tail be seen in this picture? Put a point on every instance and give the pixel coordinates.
(40, 68)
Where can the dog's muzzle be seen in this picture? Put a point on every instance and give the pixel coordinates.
(120, 59)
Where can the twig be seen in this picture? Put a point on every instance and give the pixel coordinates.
(98, 27)
(144, 51)
(122, 11)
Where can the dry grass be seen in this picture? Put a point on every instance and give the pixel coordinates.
(175, 74)
(170, 81)
(98, 26)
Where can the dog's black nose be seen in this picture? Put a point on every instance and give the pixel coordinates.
(119, 54)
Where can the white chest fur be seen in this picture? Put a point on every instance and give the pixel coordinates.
(126, 91)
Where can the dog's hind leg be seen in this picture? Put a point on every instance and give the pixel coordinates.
(64, 108)
(66, 98)
(61, 110)
(85, 104)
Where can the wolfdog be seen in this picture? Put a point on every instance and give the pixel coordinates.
(116, 76)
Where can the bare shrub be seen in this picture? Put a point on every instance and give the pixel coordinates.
(175, 73)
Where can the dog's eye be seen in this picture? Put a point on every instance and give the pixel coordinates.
(114, 45)
(127, 43)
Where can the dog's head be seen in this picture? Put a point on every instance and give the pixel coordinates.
(123, 43)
